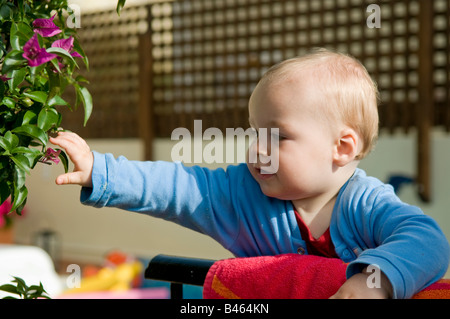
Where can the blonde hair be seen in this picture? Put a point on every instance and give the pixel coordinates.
(351, 94)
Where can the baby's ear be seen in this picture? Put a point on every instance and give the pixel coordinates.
(346, 147)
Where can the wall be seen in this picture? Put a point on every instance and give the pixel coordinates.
(99, 5)
(86, 233)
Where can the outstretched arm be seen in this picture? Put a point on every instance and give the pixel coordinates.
(81, 156)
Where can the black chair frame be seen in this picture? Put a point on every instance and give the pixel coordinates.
(178, 271)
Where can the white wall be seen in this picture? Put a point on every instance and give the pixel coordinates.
(100, 5)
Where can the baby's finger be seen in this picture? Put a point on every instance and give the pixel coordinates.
(70, 136)
(64, 144)
(69, 178)
(57, 141)
(72, 145)
(64, 137)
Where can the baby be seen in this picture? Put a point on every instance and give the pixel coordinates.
(323, 110)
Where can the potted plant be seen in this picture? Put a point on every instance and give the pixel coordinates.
(39, 60)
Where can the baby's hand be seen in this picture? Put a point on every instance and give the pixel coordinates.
(357, 287)
(80, 155)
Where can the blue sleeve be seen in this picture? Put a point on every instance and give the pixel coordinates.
(166, 190)
(407, 245)
(227, 205)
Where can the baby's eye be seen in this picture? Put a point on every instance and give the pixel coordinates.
(277, 136)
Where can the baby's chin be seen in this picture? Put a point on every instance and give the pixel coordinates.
(275, 190)
(275, 194)
(271, 189)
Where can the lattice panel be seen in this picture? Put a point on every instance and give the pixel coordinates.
(111, 44)
(208, 55)
(441, 61)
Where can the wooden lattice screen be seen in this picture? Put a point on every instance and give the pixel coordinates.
(208, 55)
(111, 44)
(200, 59)
(441, 63)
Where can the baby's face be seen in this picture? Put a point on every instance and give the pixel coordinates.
(305, 140)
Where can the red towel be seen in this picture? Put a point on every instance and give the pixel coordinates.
(288, 276)
(438, 290)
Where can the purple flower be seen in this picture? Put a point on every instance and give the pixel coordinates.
(66, 44)
(4, 211)
(4, 78)
(35, 54)
(51, 156)
(46, 27)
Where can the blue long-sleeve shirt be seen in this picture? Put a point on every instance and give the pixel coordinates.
(369, 224)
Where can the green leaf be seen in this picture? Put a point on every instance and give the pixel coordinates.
(17, 77)
(56, 100)
(35, 291)
(81, 78)
(25, 292)
(55, 83)
(55, 64)
(38, 96)
(13, 61)
(20, 197)
(77, 47)
(29, 117)
(32, 155)
(120, 5)
(21, 8)
(21, 285)
(2, 49)
(20, 34)
(5, 12)
(86, 99)
(9, 102)
(47, 119)
(2, 90)
(22, 163)
(35, 73)
(9, 141)
(62, 53)
(26, 150)
(19, 177)
(33, 132)
(64, 160)
(4, 143)
(9, 288)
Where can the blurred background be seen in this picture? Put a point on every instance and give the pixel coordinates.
(162, 64)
